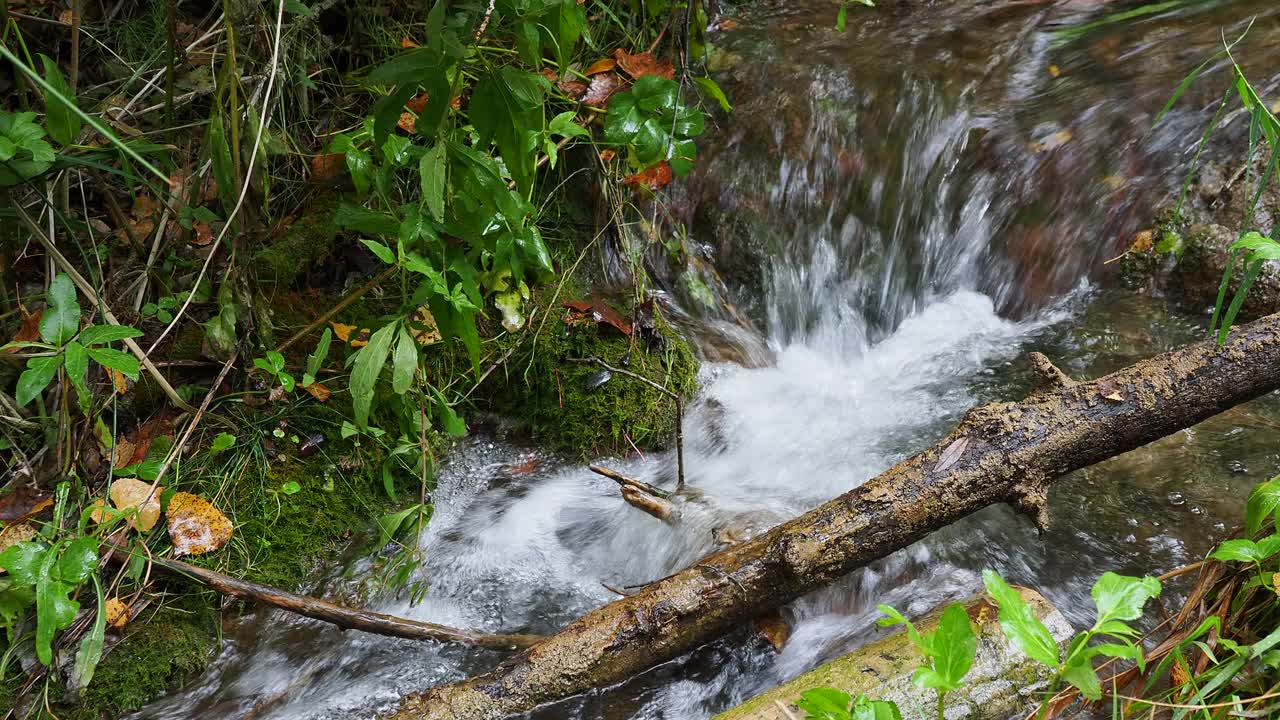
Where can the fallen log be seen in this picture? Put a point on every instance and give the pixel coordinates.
(1001, 452)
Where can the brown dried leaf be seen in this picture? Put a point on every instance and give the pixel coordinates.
(30, 329)
(641, 64)
(98, 513)
(602, 87)
(119, 380)
(22, 502)
(607, 155)
(575, 89)
(117, 613)
(423, 327)
(195, 526)
(408, 122)
(1114, 397)
(133, 494)
(599, 66)
(1143, 241)
(202, 234)
(654, 177)
(774, 629)
(408, 43)
(318, 391)
(327, 166)
(601, 312)
(951, 454)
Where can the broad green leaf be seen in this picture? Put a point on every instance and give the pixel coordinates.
(565, 126)
(896, 618)
(224, 441)
(224, 172)
(1121, 597)
(389, 525)
(710, 87)
(36, 378)
(23, 560)
(506, 107)
(1247, 550)
(116, 360)
(76, 360)
(383, 253)
(654, 93)
(61, 319)
(7, 149)
(865, 708)
(431, 169)
(529, 43)
(825, 703)
(363, 220)
(79, 560)
(452, 422)
(842, 16)
(404, 363)
(1082, 677)
(101, 334)
(954, 645)
(221, 328)
(386, 112)
(1019, 622)
(533, 248)
(64, 124)
(369, 362)
(1262, 504)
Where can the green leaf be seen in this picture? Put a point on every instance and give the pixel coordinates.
(369, 362)
(654, 93)
(277, 361)
(354, 217)
(8, 150)
(431, 169)
(529, 43)
(865, 708)
(1121, 597)
(386, 111)
(61, 319)
(316, 359)
(1082, 676)
(842, 16)
(79, 560)
(23, 560)
(1019, 622)
(565, 126)
(404, 363)
(389, 525)
(221, 329)
(36, 378)
(825, 703)
(896, 618)
(506, 107)
(64, 124)
(290, 488)
(116, 360)
(224, 173)
(955, 646)
(77, 363)
(1262, 504)
(101, 334)
(1247, 550)
(384, 253)
(710, 87)
(533, 248)
(221, 443)
(452, 422)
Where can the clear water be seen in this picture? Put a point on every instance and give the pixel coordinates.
(915, 242)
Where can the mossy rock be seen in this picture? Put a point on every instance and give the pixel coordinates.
(306, 243)
(552, 390)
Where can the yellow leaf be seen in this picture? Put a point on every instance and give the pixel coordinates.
(1054, 70)
(1142, 241)
(99, 513)
(131, 494)
(318, 391)
(343, 332)
(195, 526)
(1114, 397)
(423, 327)
(117, 613)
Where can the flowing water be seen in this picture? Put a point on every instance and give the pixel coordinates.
(898, 213)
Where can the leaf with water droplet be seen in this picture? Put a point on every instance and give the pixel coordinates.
(597, 379)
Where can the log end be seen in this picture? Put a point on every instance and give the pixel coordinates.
(1049, 378)
(1031, 498)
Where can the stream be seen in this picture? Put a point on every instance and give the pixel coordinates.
(896, 215)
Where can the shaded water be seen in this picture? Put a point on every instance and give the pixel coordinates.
(904, 211)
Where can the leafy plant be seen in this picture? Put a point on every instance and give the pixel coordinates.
(1118, 599)
(832, 704)
(948, 650)
(273, 365)
(842, 15)
(652, 124)
(24, 154)
(69, 349)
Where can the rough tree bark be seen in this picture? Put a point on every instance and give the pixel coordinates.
(1002, 452)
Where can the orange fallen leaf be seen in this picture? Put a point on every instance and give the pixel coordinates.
(98, 512)
(203, 234)
(117, 613)
(327, 166)
(641, 64)
(1054, 70)
(607, 155)
(1143, 241)
(408, 43)
(195, 526)
(408, 122)
(601, 312)
(318, 391)
(119, 380)
(654, 177)
(131, 494)
(575, 89)
(599, 66)
(342, 332)
(14, 534)
(423, 327)
(30, 329)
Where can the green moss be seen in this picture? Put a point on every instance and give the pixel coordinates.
(282, 539)
(545, 388)
(307, 242)
(158, 653)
